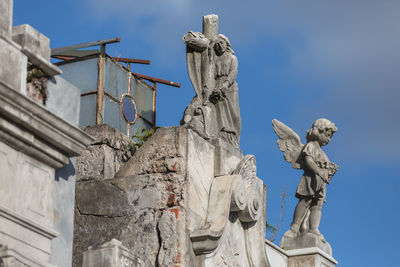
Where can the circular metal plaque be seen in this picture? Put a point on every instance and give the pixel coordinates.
(128, 108)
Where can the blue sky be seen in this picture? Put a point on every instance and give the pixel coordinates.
(298, 61)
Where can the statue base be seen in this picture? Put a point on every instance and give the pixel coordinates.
(306, 240)
(303, 257)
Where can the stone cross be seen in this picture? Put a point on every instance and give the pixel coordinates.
(210, 30)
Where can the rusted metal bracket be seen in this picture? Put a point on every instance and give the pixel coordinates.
(132, 60)
(157, 80)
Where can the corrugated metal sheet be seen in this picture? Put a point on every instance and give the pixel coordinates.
(113, 115)
(88, 110)
(143, 95)
(117, 79)
(83, 74)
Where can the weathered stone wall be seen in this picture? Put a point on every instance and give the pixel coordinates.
(141, 205)
(159, 198)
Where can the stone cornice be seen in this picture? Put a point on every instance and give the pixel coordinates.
(27, 223)
(34, 130)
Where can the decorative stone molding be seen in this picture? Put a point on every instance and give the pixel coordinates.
(224, 191)
(229, 193)
(32, 129)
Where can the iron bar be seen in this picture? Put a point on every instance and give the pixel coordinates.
(132, 60)
(55, 51)
(157, 80)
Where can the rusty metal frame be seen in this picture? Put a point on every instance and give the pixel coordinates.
(157, 80)
(102, 56)
(76, 59)
(132, 60)
(100, 85)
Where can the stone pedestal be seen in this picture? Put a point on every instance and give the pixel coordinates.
(309, 257)
(306, 240)
(305, 257)
(110, 254)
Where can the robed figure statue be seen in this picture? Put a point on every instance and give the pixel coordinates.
(213, 67)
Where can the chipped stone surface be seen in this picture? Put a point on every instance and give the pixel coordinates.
(157, 199)
(14, 75)
(143, 203)
(163, 154)
(105, 134)
(168, 249)
(110, 254)
(6, 8)
(103, 159)
(31, 39)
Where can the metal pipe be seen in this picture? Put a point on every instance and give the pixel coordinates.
(55, 51)
(132, 60)
(153, 79)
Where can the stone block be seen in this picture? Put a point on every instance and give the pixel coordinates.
(307, 240)
(6, 9)
(36, 47)
(200, 174)
(32, 40)
(98, 162)
(227, 157)
(163, 153)
(310, 257)
(110, 254)
(138, 231)
(105, 134)
(127, 209)
(14, 66)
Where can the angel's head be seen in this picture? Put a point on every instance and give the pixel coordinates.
(321, 131)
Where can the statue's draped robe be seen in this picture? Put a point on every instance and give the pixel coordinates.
(227, 110)
(311, 185)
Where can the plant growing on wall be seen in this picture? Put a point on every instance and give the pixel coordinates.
(273, 230)
(141, 136)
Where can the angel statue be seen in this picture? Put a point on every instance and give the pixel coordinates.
(318, 172)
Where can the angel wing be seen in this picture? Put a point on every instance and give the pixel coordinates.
(289, 143)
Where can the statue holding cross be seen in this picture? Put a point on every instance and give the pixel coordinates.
(212, 67)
